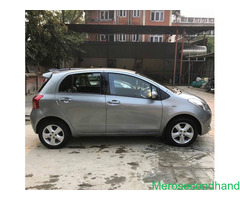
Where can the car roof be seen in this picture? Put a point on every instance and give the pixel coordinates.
(70, 70)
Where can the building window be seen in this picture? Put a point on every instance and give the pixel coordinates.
(103, 38)
(107, 38)
(136, 13)
(122, 13)
(184, 19)
(157, 15)
(156, 38)
(111, 14)
(111, 38)
(104, 15)
(190, 20)
(135, 38)
(122, 37)
(197, 20)
(211, 20)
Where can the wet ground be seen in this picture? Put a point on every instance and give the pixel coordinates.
(111, 163)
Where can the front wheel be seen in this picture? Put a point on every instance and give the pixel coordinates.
(53, 134)
(182, 132)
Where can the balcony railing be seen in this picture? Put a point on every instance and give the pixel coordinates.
(194, 20)
(92, 20)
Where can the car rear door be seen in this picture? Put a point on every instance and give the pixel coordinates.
(82, 100)
(129, 108)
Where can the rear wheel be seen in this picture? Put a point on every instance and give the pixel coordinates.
(53, 134)
(182, 132)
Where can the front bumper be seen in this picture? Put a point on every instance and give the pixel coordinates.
(206, 123)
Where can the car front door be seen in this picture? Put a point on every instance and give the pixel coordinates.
(130, 108)
(82, 100)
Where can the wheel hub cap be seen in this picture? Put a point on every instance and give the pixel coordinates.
(53, 135)
(182, 133)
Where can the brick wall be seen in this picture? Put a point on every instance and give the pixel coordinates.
(33, 83)
(165, 22)
(93, 17)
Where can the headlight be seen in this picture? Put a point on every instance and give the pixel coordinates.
(199, 103)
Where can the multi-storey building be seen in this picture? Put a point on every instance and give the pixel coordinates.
(151, 54)
(128, 17)
(192, 21)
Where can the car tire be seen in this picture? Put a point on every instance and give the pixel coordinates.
(53, 134)
(182, 132)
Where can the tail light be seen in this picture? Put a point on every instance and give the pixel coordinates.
(35, 101)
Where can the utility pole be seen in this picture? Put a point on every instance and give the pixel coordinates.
(175, 60)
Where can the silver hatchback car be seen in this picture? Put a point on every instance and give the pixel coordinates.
(109, 102)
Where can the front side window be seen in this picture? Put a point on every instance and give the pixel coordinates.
(82, 83)
(157, 15)
(124, 85)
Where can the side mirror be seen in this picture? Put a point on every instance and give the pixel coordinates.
(154, 95)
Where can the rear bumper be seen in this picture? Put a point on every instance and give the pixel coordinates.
(35, 116)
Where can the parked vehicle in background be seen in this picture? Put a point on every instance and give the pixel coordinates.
(210, 85)
(107, 102)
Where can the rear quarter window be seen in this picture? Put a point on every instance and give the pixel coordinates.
(43, 85)
(66, 84)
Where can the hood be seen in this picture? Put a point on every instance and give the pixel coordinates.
(187, 96)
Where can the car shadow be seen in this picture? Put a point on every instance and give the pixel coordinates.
(113, 140)
(144, 142)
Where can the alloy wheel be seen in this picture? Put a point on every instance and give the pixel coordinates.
(53, 135)
(182, 133)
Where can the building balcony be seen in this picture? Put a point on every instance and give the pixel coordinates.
(193, 20)
(98, 20)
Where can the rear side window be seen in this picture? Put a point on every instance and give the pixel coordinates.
(82, 83)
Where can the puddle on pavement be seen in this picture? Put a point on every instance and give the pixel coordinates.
(134, 165)
(115, 180)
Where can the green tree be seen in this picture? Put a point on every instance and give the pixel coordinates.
(210, 44)
(48, 40)
(72, 16)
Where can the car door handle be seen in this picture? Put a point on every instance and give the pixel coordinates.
(113, 102)
(65, 100)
